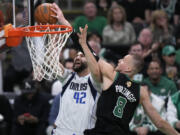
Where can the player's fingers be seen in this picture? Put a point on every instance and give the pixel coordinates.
(85, 28)
(54, 10)
(80, 29)
(55, 5)
(55, 16)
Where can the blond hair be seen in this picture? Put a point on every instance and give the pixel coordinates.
(156, 15)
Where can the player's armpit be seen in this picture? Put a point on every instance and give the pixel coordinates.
(106, 69)
(161, 124)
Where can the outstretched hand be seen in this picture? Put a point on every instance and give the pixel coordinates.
(82, 35)
(59, 14)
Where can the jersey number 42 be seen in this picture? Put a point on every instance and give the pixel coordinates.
(79, 97)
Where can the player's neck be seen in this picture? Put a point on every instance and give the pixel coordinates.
(84, 72)
(129, 74)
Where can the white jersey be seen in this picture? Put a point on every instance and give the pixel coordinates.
(77, 104)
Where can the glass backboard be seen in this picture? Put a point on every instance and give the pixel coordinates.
(17, 12)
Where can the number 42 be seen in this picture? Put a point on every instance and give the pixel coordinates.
(79, 97)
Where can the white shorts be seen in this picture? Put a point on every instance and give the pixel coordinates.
(61, 131)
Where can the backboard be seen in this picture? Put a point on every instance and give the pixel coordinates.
(20, 13)
(17, 12)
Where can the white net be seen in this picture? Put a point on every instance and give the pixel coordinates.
(45, 54)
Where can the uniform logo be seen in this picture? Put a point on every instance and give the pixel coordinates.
(128, 83)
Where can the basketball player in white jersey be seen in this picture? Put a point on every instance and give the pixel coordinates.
(78, 95)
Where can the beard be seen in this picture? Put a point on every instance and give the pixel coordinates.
(80, 68)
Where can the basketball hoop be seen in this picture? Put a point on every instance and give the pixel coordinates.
(45, 43)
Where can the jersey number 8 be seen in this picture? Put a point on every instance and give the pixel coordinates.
(119, 108)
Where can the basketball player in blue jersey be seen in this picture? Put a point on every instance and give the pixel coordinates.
(120, 95)
(78, 95)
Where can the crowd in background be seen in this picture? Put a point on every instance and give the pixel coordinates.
(148, 28)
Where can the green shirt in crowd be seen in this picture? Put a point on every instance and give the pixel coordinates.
(95, 25)
(164, 88)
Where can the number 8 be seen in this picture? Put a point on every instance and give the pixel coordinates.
(119, 108)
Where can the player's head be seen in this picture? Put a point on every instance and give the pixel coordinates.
(130, 64)
(80, 62)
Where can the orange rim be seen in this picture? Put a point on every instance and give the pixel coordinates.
(31, 30)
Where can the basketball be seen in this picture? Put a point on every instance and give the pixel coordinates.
(43, 14)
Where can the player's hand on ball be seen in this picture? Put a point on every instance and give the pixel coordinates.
(59, 15)
(58, 11)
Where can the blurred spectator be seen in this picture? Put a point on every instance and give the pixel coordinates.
(161, 29)
(31, 111)
(158, 84)
(170, 68)
(20, 67)
(69, 53)
(177, 36)
(177, 13)
(95, 46)
(6, 8)
(138, 11)
(95, 41)
(95, 37)
(95, 23)
(166, 5)
(118, 31)
(1, 18)
(173, 111)
(146, 39)
(103, 7)
(6, 114)
(136, 49)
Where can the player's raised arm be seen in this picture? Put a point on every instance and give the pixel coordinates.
(161, 124)
(59, 15)
(92, 62)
